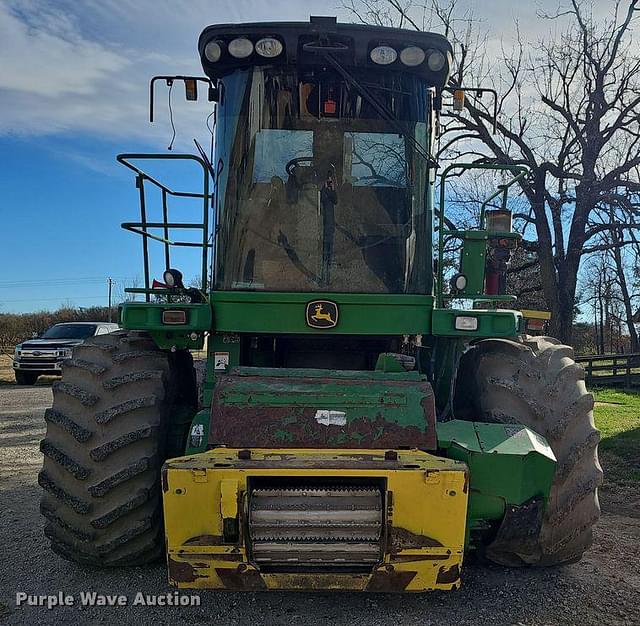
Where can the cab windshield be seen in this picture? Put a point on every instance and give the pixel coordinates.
(70, 331)
(316, 191)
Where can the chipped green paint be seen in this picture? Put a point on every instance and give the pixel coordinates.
(255, 407)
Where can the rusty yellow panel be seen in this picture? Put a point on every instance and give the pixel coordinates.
(421, 548)
(228, 498)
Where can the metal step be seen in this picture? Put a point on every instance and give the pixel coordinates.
(316, 526)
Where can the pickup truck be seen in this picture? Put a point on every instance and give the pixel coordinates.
(45, 355)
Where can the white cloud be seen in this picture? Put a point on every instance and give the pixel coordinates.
(52, 60)
(69, 67)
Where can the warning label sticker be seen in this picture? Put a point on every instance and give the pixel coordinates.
(220, 360)
(331, 418)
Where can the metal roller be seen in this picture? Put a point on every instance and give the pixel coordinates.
(316, 526)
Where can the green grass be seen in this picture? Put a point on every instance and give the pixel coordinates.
(618, 420)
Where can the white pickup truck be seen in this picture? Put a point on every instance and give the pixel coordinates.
(45, 354)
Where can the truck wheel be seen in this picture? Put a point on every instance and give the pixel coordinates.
(26, 378)
(105, 443)
(536, 382)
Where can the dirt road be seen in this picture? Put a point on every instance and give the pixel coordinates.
(604, 588)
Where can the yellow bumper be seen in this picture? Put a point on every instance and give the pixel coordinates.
(208, 508)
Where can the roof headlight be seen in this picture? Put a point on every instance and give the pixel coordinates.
(436, 60)
(383, 55)
(412, 56)
(268, 47)
(240, 48)
(213, 51)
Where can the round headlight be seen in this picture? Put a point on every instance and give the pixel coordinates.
(268, 47)
(412, 56)
(213, 51)
(383, 55)
(240, 48)
(459, 282)
(436, 60)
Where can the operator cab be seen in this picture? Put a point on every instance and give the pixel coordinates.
(323, 145)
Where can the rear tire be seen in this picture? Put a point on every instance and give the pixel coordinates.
(26, 378)
(105, 443)
(536, 382)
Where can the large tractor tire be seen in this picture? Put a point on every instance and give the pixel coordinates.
(536, 382)
(105, 443)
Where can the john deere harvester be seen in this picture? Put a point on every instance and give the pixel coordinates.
(368, 416)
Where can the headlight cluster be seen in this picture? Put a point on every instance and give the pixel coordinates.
(411, 56)
(241, 48)
(65, 353)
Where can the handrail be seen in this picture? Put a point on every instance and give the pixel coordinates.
(141, 227)
(519, 171)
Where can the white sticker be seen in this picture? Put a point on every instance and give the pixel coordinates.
(331, 418)
(220, 360)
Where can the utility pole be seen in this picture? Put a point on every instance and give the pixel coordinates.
(110, 283)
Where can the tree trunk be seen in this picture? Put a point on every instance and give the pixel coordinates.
(622, 279)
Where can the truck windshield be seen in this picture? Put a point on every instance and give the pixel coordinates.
(316, 191)
(70, 331)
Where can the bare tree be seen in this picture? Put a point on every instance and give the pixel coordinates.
(569, 110)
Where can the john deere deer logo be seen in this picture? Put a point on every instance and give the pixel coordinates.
(322, 314)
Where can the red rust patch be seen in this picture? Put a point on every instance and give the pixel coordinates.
(182, 572)
(248, 580)
(249, 425)
(392, 582)
(403, 539)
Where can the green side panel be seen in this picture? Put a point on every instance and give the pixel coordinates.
(508, 463)
(491, 323)
(147, 316)
(472, 266)
(358, 314)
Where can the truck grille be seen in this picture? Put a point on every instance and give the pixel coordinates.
(311, 527)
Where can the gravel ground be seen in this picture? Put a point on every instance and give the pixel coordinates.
(604, 588)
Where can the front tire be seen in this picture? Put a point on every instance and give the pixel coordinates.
(105, 443)
(536, 382)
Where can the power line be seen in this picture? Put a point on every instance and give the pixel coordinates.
(58, 282)
(60, 299)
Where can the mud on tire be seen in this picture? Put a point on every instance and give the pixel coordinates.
(105, 443)
(536, 382)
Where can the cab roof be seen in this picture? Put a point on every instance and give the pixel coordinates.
(308, 43)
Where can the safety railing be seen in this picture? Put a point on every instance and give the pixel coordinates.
(520, 172)
(143, 227)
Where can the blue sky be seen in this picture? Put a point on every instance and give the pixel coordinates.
(73, 94)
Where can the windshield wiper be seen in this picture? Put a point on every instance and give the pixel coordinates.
(380, 108)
